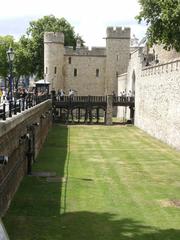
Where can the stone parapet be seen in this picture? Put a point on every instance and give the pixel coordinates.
(171, 66)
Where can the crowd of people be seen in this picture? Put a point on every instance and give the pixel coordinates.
(20, 93)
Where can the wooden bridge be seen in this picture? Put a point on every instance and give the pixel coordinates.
(75, 108)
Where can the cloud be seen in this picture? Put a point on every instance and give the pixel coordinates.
(89, 18)
(16, 26)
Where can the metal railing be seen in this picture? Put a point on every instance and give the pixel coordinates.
(118, 99)
(9, 108)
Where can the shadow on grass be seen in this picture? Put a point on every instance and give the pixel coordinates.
(38, 200)
(88, 226)
(104, 226)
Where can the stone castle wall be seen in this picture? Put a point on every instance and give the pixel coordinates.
(157, 97)
(54, 59)
(157, 103)
(14, 144)
(122, 85)
(164, 55)
(109, 62)
(86, 82)
(117, 50)
(128, 81)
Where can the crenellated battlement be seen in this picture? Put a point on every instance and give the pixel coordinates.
(118, 32)
(54, 37)
(84, 51)
(171, 66)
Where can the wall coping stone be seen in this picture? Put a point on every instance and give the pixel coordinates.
(10, 123)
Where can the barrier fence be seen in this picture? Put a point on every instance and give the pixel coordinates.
(9, 108)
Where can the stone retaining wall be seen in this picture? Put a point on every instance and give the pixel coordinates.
(14, 132)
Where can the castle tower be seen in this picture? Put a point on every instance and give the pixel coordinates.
(54, 59)
(117, 56)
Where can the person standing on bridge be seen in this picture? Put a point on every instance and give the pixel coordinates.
(129, 95)
(71, 93)
(61, 94)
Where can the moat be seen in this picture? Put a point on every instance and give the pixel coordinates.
(111, 182)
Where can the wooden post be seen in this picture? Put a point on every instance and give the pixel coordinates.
(86, 115)
(97, 115)
(90, 115)
(132, 114)
(67, 117)
(79, 115)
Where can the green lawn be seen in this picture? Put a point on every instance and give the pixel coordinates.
(118, 183)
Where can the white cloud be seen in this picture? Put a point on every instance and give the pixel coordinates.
(89, 17)
(78, 8)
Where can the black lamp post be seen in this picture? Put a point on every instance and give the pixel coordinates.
(10, 57)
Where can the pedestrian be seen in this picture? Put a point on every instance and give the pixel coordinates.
(129, 95)
(61, 94)
(71, 93)
(1, 95)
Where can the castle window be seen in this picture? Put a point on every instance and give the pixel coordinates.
(46, 70)
(97, 72)
(55, 70)
(117, 74)
(69, 60)
(75, 72)
(117, 57)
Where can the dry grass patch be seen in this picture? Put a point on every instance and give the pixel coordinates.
(170, 203)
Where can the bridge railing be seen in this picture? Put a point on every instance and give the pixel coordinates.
(9, 108)
(80, 99)
(121, 99)
(124, 100)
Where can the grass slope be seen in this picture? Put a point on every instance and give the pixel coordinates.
(117, 184)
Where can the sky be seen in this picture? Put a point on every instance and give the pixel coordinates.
(90, 18)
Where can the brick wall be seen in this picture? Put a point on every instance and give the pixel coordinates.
(14, 144)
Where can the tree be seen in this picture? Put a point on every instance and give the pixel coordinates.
(21, 64)
(23, 60)
(29, 50)
(163, 20)
(35, 34)
(5, 43)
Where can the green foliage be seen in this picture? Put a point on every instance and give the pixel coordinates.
(36, 33)
(23, 59)
(5, 43)
(163, 20)
(29, 50)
